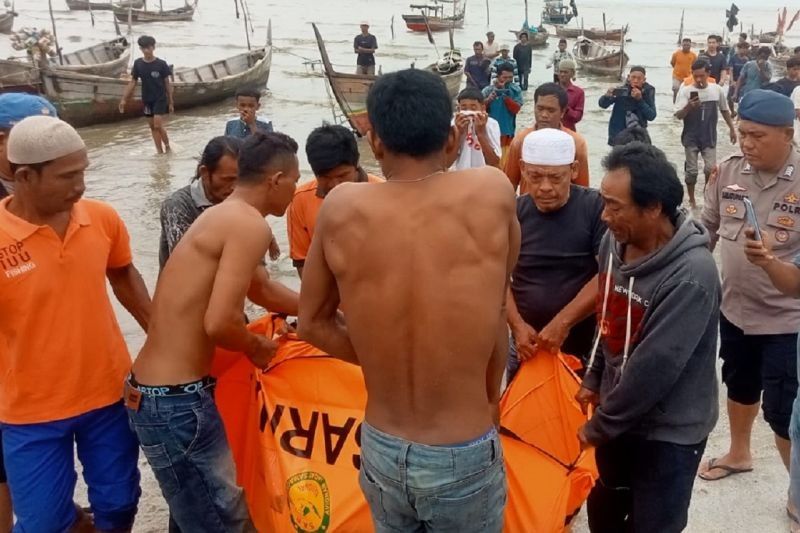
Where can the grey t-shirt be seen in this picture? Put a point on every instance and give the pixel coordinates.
(178, 212)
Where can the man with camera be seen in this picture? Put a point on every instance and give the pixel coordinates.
(698, 105)
(634, 103)
(503, 100)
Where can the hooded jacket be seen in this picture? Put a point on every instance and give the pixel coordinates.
(654, 356)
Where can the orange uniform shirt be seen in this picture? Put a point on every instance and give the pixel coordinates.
(682, 64)
(62, 353)
(301, 218)
(514, 173)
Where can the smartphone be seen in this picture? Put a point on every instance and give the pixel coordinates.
(694, 94)
(751, 217)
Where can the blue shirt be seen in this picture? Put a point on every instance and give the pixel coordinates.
(752, 77)
(477, 71)
(498, 109)
(237, 128)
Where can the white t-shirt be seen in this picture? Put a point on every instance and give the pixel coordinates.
(796, 101)
(491, 49)
(471, 155)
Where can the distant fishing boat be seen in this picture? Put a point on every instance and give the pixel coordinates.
(109, 58)
(7, 21)
(350, 90)
(596, 34)
(435, 16)
(141, 16)
(536, 39)
(595, 58)
(84, 100)
(555, 12)
(85, 5)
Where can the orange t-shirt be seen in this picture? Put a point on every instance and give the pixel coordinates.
(301, 218)
(62, 352)
(514, 173)
(682, 64)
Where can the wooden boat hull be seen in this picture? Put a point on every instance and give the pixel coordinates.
(84, 5)
(85, 100)
(593, 58)
(556, 19)
(350, 90)
(593, 33)
(417, 23)
(139, 16)
(536, 39)
(7, 22)
(15, 75)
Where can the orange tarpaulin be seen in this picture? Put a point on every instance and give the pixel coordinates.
(295, 432)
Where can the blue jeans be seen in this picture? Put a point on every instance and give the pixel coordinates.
(184, 441)
(414, 487)
(40, 465)
(794, 465)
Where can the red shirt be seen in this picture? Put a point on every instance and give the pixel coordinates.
(575, 101)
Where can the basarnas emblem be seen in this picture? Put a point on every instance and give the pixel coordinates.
(309, 502)
(786, 221)
(781, 235)
(736, 188)
(791, 198)
(747, 167)
(789, 172)
(731, 209)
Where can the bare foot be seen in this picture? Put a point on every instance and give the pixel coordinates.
(725, 466)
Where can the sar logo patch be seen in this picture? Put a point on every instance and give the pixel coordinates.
(789, 172)
(791, 198)
(781, 235)
(309, 502)
(731, 209)
(786, 221)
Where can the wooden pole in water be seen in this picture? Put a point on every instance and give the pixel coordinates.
(246, 32)
(526, 12)
(680, 33)
(160, 6)
(487, 13)
(236, 4)
(55, 34)
(91, 14)
(392, 26)
(622, 52)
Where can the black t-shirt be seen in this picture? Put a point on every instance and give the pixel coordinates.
(153, 76)
(365, 41)
(785, 86)
(718, 64)
(557, 258)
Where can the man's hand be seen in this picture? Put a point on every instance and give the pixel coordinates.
(171, 108)
(610, 92)
(694, 103)
(491, 98)
(758, 252)
(480, 122)
(263, 352)
(274, 249)
(462, 125)
(248, 116)
(585, 398)
(524, 338)
(552, 336)
(636, 93)
(734, 140)
(582, 438)
(122, 107)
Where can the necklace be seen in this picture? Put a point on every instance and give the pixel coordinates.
(432, 174)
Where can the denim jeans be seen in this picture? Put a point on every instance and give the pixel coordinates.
(184, 441)
(644, 486)
(414, 487)
(794, 465)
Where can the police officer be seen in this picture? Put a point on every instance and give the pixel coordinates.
(758, 324)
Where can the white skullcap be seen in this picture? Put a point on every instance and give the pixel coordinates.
(42, 138)
(548, 147)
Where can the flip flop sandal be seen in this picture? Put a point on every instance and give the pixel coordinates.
(728, 471)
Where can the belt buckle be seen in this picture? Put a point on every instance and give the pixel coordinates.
(132, 398)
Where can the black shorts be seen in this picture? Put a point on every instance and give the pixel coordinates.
(159, 107)
(756, 363)
(3, 478)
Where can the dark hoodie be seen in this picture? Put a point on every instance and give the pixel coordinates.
(663, 312)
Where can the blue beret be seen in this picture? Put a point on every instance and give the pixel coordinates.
(767, 107)
(17, 106)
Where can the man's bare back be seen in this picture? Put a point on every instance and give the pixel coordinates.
(209, 271)
(421, 269)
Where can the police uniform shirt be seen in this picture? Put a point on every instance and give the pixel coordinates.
(749, 299)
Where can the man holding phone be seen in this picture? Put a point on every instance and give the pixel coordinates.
(698, 106)
(634, 103)
(503, 100)
(758, 324)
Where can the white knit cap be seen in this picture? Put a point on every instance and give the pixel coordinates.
(548, 147)
(42, 138)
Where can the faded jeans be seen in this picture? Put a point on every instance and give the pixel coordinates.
(691, 168)
(418, 488)
(184, 441)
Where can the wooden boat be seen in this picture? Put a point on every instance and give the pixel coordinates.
(596, 34)
(109, 58)
(555, 12)
(436, 19)
(537, 39)
(83, 100)
(595, 58)
(86, 5)
(142, 16)
(7, 21)
(350, 90)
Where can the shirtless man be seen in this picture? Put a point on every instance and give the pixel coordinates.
(424, 306)
(197, 306)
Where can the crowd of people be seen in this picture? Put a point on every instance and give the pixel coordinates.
(622, 277)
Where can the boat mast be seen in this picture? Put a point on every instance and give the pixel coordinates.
(487, 13)
(246, 32)
(680, 33)
(55, 34)
(526, 13)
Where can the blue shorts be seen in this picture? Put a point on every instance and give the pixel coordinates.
(415, 487)
(40, 464)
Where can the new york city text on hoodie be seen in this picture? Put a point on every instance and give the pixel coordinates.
(654, 358)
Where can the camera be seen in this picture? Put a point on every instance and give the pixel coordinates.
(622, 91)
